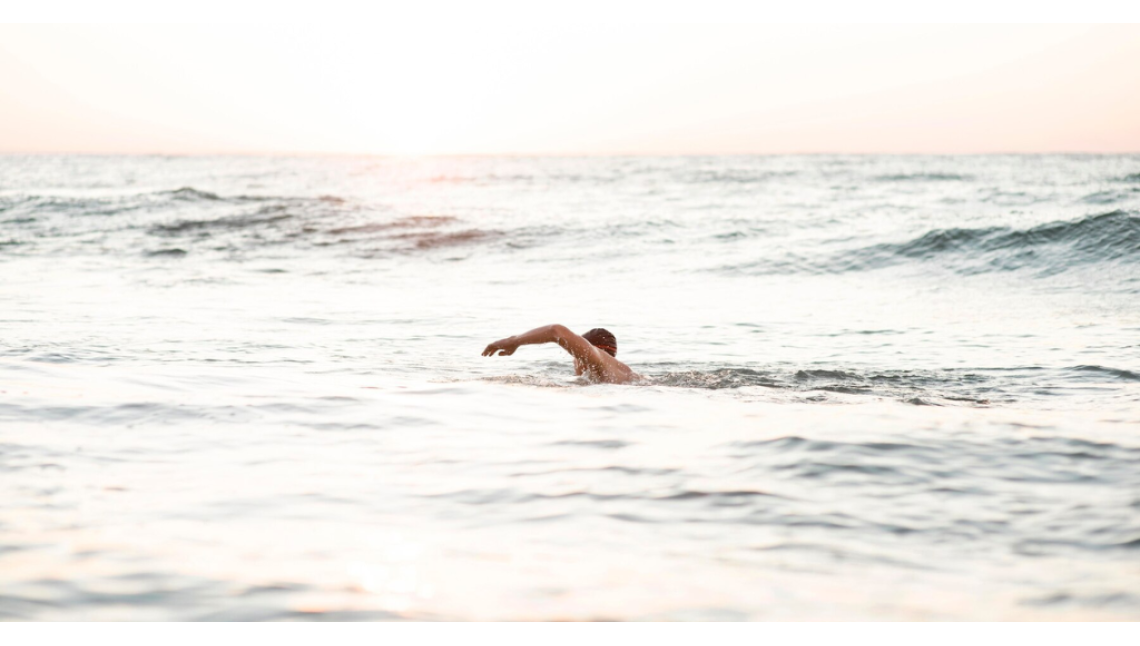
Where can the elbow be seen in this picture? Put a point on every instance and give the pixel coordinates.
(560, 331)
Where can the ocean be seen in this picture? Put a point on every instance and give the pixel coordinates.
(876, 388)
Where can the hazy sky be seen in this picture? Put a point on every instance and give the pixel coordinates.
(595, 90)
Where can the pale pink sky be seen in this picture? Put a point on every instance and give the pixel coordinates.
(641, 89)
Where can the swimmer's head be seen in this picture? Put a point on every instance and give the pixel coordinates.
(602, 338)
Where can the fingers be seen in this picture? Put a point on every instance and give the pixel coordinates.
(503, 348)
(490, 350)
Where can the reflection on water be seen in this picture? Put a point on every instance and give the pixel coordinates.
(877, 388)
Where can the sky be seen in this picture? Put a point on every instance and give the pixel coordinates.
(574, 89)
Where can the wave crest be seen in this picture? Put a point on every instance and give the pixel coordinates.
(1108, 236)
(1048, 249)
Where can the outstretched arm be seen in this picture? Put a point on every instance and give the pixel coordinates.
(590, 357)
(559, 334)
(597, 363)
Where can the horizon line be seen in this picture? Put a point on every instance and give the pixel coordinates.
(556, 154)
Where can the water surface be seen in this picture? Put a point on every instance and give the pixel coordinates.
(878, 387)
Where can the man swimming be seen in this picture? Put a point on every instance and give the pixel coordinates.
(594, 352)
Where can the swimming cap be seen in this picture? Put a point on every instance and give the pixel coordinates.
(602, 338)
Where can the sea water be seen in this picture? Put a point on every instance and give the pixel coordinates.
(876, 387)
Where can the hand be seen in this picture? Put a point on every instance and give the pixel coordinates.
(505, 347)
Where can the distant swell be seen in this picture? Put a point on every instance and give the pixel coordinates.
(167, 253)
(924, 177)
(1117, 373)
(1046, 249)
(233, 222)
(188, 193)
(1108, 236)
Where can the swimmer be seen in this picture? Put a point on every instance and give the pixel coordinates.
(594, 352)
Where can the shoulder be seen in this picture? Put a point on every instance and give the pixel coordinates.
(607, 369)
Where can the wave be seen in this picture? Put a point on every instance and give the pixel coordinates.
(411, 233)
(1107, 236)
(26, 206)
(924, 177)
(928, 388)
(190, 193)
(1110, 197)
(1048, 249)
(167, 253)
(304, 227)
(436, 239)
(182, 227)
(733, 176)
(402, 223)
(1116, 373)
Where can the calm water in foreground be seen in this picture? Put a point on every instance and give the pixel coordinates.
(877, 388)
